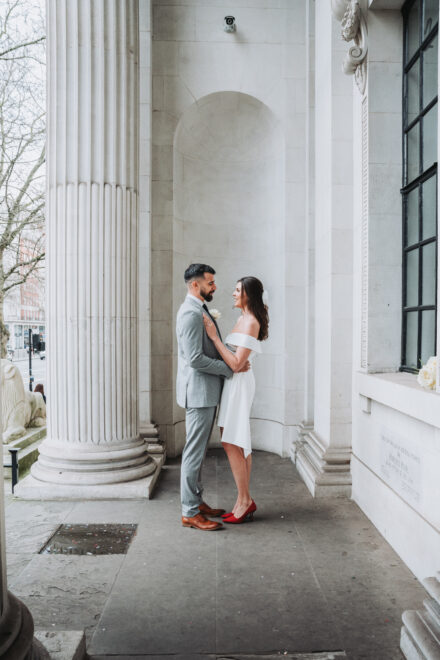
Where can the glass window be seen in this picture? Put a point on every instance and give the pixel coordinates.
(428, 335)
(413, 30)
(413, 92)
(411, 339)
(419, 192)
(428, 274)
(412, 217)
(430, 18)
(430, 69)
(413, 153)
(430, 138)
(429, 205)
(412, 269)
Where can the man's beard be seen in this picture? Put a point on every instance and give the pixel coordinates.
(206, 296)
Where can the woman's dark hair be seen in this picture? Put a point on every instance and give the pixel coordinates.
(253, 289)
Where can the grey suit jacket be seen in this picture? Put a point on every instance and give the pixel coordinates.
(200, 369)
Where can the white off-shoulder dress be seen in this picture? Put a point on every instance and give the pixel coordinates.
(237, 396)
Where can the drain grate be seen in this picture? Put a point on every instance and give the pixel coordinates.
(90, 539)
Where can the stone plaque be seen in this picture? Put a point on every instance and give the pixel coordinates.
(401, 467)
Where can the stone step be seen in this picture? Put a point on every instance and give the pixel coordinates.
(27, 451)
(27, 439)
(420, 636)
(432, 586)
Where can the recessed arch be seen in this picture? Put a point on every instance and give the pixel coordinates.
(228, 198)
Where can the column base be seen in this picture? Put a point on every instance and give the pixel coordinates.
(420, 634)
(324, 470)
(17, 633)
(31, 488)
(97, 472)
(301, 432)
(68, 464)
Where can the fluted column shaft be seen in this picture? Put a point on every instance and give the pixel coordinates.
(91, 265)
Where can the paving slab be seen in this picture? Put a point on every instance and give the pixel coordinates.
(286, 656)
(307, 579)
(67, 592)
(63, 644)
(93, 512)
(17, 562)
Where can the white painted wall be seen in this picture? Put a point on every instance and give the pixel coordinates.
(396, 424)
(263, 66)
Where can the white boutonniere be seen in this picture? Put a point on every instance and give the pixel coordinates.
(428, 374)
(215, 314)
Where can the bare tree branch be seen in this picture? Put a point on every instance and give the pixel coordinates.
(18, 46)
(22, 147)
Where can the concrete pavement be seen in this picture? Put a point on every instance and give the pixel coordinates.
(306, 577)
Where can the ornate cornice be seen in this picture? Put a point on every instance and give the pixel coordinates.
(353, 28)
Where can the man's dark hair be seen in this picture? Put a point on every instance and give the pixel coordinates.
(194, 271)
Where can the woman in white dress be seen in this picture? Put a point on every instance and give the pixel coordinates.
(243, 343)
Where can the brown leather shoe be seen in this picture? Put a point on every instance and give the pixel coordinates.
(207, 511)
(200, 522)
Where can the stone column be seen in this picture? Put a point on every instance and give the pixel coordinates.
(92, 248)
(324, 449)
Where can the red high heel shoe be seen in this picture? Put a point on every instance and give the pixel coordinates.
(248, 515)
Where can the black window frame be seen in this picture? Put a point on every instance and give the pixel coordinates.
(416, 183)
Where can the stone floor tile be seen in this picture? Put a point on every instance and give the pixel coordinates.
(23, 537)
(15, 563)
(163, 604)
(67, 592)
(112, 512)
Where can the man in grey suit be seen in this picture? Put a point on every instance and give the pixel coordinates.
(200, 373)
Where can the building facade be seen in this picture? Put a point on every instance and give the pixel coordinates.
(24, 303)
(300, 147)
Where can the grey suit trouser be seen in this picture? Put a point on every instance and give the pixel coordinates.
(199, 423)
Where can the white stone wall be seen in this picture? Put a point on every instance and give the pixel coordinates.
(264, 59)
(396, 424)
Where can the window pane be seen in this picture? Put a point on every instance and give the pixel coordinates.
(412, 217)
(413, 30)
(413, 91)
(430, 69)
(428, 336)
(428, 292)
(431, 16)
(430, 138)
(412, 278)
(413, 153)
(429, 189)
(411, 339)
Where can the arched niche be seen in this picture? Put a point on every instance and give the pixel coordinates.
(228, 192)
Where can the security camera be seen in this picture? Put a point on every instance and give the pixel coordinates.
(229, 24)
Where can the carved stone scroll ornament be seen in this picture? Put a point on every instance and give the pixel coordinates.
(353, 28)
